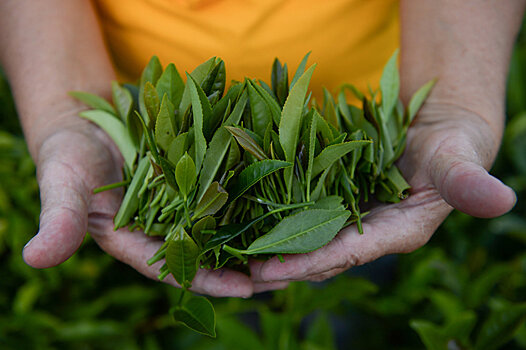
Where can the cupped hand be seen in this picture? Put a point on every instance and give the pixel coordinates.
(71, 162)
(448, 151)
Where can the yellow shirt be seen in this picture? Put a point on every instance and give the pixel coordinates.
(350, 40)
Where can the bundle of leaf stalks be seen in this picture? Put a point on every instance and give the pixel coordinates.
(257, 170)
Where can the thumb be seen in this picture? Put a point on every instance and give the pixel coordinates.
(63, 217)
(468, 187)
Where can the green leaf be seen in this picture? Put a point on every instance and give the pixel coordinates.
(151, 73)
(271, 102)
(116, 130)
(303, 232)
(197, 313)
(237, 335)
(430, 334)
(320, 333)
(332, 153)
(215, 80)
(185, 174)
(460, 327)
(300, 70)
(199, 74)
(310, 162)
(500, 327)
(290, 123)
(390, 85)
(181, 258)
(93, 101)
(151, 102)
(253, 173)
(164, 131)
(169, 172)
(260, 111)
(122, 99)
(130, 201)
(177, 148)
(197, 110)
(213, 200)
(170, 83)
(218, 147)
(329, 203)
(280, 81)
(417, 100)
(247, 142)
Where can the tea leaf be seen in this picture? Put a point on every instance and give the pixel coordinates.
(260, 112)
(218, 147)
(169, 173)
(253, 173)
(247, 142)
(151, 73)
(213, 200)
(214, 82)
(430, 334)
(151, 102)
(185, 174)
(290, 123)
(197, 313)
(390, 85)
(273, 106)
(417, 100)
(199, 74)
(164, 131)
(181, 258)
(170, 83)
(93, 101)
(197, 110)
(332, 153)
(122, 99)
(116, 130)
(300, 70)
(310, 162)
(303, 232)
(130, 201)
(177, 148)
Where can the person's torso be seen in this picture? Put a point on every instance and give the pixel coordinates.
(350, 40)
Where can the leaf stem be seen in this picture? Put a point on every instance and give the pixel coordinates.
(110, 186)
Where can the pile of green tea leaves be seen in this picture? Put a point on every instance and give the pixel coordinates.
(256, 170)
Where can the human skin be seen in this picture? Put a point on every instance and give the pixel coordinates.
(51, 47)
(48, 48)
(454, 140)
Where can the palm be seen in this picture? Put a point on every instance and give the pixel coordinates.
(443, 162)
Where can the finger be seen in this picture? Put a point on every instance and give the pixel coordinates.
(135, 248)
(469, 188)
(269, 286)
(63, 218)
(389, 229)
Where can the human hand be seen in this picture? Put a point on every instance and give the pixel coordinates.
(449, 149)
(71, 162)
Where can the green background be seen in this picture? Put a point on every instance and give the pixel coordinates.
(465, 289)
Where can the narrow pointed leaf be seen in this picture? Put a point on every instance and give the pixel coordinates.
(130, 202)
(152, 103)
(197, 111)
(303, 232)
(253, 173)
(164, 131)
(218, 147)
(116, 130)
(170, 83)
(177, 148)
(290, 123)
(247, 142)
(332, 153)
(390, 85)
(93, 101)
(300, 70)
(122, 99)
(417, 100)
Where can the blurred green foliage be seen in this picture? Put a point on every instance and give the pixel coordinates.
(465, 289)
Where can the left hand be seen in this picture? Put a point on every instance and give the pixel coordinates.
(449, 149)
